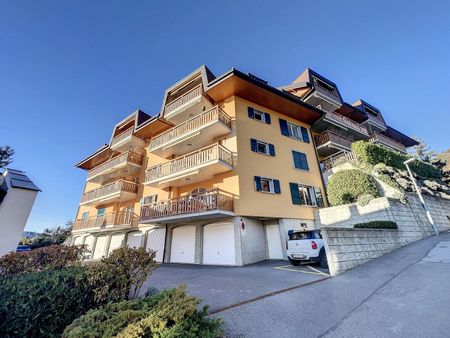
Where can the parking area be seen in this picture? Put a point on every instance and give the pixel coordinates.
(222, 287)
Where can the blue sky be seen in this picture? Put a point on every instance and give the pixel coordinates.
(69, 70)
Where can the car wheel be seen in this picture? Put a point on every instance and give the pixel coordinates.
(323, 260)
(294, 262)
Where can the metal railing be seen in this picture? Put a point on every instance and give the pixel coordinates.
(183, 99)
(383, 139)
(122, 136)
(211, 115)
(129, 156)
(191, 160)
(114, 187)
(123, 218)
(329, 136)
(211, 200)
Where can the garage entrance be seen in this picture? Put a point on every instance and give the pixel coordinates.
(156, 241)
(274, 241)
(183, 245)
(218, 244)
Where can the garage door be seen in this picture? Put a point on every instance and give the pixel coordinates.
(89, 242)
(78, 240)
(218, 244)
(134, 239)
(155, 241)
(183, 245)
(116, 242)
(274, 241)
(100, 247)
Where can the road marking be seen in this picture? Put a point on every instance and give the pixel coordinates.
(289, 268)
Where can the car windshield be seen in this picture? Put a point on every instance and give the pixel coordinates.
(305, 235)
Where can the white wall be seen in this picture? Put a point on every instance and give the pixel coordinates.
(14, 212)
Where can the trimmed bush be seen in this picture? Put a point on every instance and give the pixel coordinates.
(376, 225)
(46, 258)
(170, 313)
(347, 185)
(42, 304)
(374, 154)
(365, 199)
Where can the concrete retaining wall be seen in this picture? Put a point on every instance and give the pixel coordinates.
(347, 247)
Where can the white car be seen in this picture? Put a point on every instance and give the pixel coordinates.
(306, 246)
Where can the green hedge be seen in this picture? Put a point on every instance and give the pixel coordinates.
(346, 186)
(42, 304)
(376, 225)
(372, 153)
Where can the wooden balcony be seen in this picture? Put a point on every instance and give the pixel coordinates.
(197, 166)
(330, 143)
(126, 140)
(332, 118)
(387, 142)
(182, 138)
(124, 165)
(211, 204)
(321, 96)
(109, 220)
(117, 191)
(375, 123)
(186, 105)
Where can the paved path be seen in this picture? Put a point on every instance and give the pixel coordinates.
(403, 294)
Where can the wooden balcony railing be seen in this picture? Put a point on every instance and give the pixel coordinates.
(122, 136)
(383, 139)
(128, 157)
(211, 115)
(376, 120)
(208, 201)
(183, 99)
(114, 187)
(343, 120)
(191, 160)
(109, 219)
(329, 136)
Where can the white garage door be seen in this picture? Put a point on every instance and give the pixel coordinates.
(89, 242)
(78, 240)
(183, 245)
(116, 242)
(274, 241)
(218, 244)
(100, 247)
(155, 241)
(134, 239)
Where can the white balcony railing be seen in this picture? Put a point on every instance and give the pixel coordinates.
(109, 189)
(122, 136)
(183, 99)
(109, 219)
(128, 157)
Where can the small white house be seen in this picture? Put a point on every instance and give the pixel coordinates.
(17, 196)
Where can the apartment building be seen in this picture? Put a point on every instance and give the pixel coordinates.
(227, 167)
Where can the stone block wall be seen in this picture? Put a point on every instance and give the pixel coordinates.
(347, 247)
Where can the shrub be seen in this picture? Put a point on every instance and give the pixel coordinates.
(347, 185)
(170, 313)
(376, 225)
(46, 258)
(42, 304)
(374, 154)
(121, 275)
(365, 199)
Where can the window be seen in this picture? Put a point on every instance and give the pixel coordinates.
(259, 115)
(269, 185)
(101, 212)
(292, 130)
(262, 147)
(306, 195)
(85, 215)
(300, 160)
(151, 199)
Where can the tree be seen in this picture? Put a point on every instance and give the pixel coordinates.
(52, 236)
(423, 151)
(6, 153)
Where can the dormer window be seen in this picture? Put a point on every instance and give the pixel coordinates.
(371, 111)
(323, 85)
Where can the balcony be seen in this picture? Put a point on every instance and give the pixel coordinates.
(126, 140)
(112, 220)
(182, 138)
(332, 118)
(186, 105)
(387, 142)
(124, 165)
(197, 166)
(329, 143)
(324, 95)
(375, 123)
(211, 204)
(117, 191)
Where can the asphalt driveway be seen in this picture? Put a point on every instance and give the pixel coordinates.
(225, 287)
